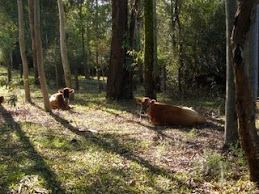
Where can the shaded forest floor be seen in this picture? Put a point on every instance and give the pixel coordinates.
(105, 147)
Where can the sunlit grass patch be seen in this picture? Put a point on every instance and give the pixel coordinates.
(101, 146)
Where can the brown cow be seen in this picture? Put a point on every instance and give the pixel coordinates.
(164, 114)
(60, 100)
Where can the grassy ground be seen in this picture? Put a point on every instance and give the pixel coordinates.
(105, 147)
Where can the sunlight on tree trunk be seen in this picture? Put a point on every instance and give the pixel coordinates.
(63, 49)
(22, 51)
(43, 82)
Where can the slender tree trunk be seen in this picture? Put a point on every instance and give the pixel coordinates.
(244, 91)
(88, 54)
(149, 50)
(10, 67)
(43, 82)
(22, 51)
(97, 41)
(132, 35)
(66, 67)
(178, 49)
(59, 76)
(85, 64)
(231, 132)
(156, 71)
(163, 78)
(76, 79)
(34, 56)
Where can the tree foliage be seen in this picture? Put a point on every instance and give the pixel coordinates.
(199, 46)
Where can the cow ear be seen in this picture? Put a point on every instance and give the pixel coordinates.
(71, 90)
(138, 100)
(61, 90)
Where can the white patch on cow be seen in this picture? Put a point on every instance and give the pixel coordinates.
(52, 98)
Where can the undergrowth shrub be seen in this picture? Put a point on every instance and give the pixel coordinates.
(210, 166)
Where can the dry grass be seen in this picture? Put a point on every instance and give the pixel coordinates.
(105, 147)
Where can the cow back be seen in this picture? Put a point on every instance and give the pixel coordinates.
(163, 114)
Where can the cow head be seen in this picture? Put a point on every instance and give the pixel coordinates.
(66, 91)
(145, 104)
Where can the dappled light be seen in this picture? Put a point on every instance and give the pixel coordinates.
(129, 96)
(101, 146)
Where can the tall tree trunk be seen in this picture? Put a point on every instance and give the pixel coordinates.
(43, 82)
(34, 56)
(66, 67)
(244, 91)
(88, 54)
(132, 35)
(163, 77)
(149, 50)
(10, 67)
(22, 51)
(156, 71)
(59, 76)
(231, 132)
(87, 49)
(178, 49)
(97, 42)
(76, 79)
(119, 84)
(85, 64)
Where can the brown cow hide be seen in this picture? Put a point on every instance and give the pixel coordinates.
(164, 114)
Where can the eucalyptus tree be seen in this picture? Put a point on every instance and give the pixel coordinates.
(43, 82)
(34, 55)
(23, 54)
(149, 79)
(119, 84)
(66, 67)
(244, 37)
(231, 132)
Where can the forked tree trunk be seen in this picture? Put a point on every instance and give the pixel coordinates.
(63, 49)
(231, 132)
(22, 51)
(43, 82)
(34, 55)
(244, 90)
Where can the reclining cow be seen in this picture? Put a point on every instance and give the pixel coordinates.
(60, 100)
(164, 114)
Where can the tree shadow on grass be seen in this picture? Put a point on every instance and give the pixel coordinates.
(117, 148)
(19, 151)
(214, 124)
